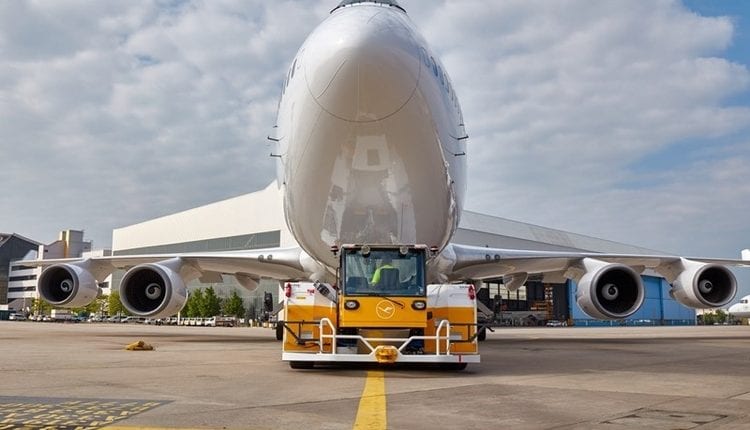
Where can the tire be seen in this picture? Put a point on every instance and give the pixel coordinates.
(279, 331)
(455, 367)
(482, 336)
(301, 364)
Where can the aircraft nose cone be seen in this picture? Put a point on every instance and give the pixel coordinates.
(365, 72)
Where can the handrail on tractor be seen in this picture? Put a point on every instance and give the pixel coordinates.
(444, 324)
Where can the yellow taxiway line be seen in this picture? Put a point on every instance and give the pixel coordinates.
(371, 413)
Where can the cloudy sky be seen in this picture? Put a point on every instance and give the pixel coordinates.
(627, 120)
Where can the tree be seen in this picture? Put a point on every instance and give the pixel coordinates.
(211, 305)
(194, 303)
(95, 307)
(234, 306)
(40, 307)
(714, 317)
(721, 316)
(114, 305)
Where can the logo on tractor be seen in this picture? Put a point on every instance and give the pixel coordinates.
(385, 310)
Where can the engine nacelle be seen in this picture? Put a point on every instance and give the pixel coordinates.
(153, 290)
(701, 285)
(609, 291)
(67, 285)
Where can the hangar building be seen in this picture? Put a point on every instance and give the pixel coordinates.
(256, 220)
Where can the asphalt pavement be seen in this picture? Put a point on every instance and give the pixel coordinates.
(80, 376)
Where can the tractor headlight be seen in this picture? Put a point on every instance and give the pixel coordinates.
(419, 305)
(351, 305)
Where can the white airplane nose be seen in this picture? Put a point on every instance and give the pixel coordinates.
(366, 73)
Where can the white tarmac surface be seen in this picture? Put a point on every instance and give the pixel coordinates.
(79, 375)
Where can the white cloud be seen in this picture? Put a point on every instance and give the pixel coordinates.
(118, 112)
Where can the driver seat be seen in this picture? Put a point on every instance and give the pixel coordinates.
(389, 279)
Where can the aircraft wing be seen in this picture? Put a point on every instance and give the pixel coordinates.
(474, 262)
(156, 285)
(247, 266)
(608, 285)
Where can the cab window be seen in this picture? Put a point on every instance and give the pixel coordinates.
(383, 273)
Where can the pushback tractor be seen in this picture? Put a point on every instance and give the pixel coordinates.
(381, 311)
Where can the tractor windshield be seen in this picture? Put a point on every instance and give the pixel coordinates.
(383, 272)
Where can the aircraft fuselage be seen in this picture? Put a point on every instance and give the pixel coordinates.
(741, 309)
(370, 136)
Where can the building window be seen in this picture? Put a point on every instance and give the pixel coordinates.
(21, 289)
(22, 278)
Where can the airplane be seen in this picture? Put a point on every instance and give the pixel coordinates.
(741, 309)
(371, 149)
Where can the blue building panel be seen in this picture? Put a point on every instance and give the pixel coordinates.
(676, 314)
(659, 308)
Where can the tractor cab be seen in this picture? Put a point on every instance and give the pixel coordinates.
(383, 287)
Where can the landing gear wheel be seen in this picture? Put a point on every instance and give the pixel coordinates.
(301, 364)
(279, 331)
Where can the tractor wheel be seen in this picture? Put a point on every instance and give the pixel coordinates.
(455, 367)
(301, 364)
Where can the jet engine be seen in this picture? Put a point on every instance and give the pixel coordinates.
(153, 290)
(701, 285)
(608, 290)
(67, 285)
